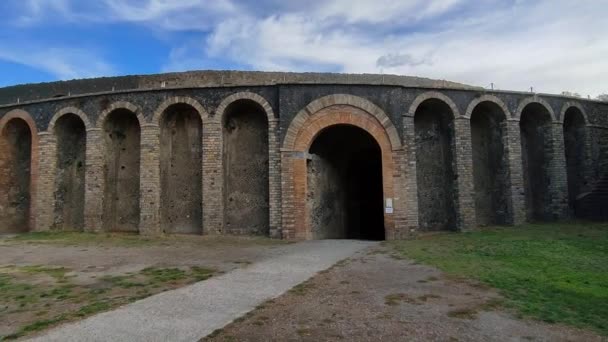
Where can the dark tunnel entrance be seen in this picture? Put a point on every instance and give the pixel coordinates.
(344, 194)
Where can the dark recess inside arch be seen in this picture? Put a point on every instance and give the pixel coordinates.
(345, 193)
(69, 181)
(536, 149)
(434, 127)
(246, 196)
(490, 168)
(122, 160)
(574, 144)
(15, 173)
(181, 170)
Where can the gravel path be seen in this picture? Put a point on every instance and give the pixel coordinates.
(192, 312)
(375, 297)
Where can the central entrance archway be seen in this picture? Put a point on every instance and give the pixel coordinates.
(311, 136)
(344, 176)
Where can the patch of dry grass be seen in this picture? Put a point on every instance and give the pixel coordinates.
(34, 298)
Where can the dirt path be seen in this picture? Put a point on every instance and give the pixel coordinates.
(67, 277)
(110, 258)
(374, 297)
(194, 311)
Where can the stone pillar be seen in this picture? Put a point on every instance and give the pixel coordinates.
(463, 154)
(45, 206)
(94, 181)
(409, 184)
(274, 177)
(149, 199)
(517, 206)
(401, 222)
(558, 174)
(213, 179)
(293, 183)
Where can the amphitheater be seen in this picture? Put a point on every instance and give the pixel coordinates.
(295, 156)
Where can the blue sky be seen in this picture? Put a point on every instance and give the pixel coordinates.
(553, 45)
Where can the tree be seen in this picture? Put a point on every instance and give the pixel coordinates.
(603, 97)
(571, 94)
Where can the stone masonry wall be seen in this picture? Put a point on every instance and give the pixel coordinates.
(294, 109)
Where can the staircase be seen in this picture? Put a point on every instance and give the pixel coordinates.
(593, 205)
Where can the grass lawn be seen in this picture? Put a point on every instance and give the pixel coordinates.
(552, 272)
(135, 240)
(38, 297)
(48, 278)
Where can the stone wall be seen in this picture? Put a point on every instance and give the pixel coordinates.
(452, 157)
(246, 166)
(15, 171)
(181, 170)
(70, 173)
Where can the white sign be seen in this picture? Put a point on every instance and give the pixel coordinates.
(389, 206)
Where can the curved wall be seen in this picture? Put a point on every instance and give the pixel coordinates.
(466, 130)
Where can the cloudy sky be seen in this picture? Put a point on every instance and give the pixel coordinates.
(552, 45)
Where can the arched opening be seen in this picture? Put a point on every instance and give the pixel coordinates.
(434, 127)
(181, 170)
(122, 158)
(246, 196)
(15, 173)
(536, 147)
(490, 168)
(70, 133)
(344, 197)
(574, 143)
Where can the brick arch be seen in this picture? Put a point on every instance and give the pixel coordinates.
(19, 114)
(245, 95)
(569, 105)
(25, 116)
(295, 212)
(217, 148)
(121, 105)
(433, 95)
(487, 98)
(158, 114)
(370, 109)
(534, 99)
(69, 110)
(315, 125)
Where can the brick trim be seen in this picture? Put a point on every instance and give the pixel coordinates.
(25, 116)
(158, 114)
(534, 99)
(433, 95)
(316, 124)
(488, 98)
(294, 174)
(121, 105)
(569, 105)
(244, 95)
(69, 110)
(298, 123)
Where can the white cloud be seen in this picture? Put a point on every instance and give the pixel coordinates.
(380, 11)
(553, 45)
(63, 63)
(163, 14)
(32, 11)
(171, 14)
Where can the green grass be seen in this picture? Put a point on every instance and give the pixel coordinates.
(551, 272)
(21, 292)
(135, 240)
